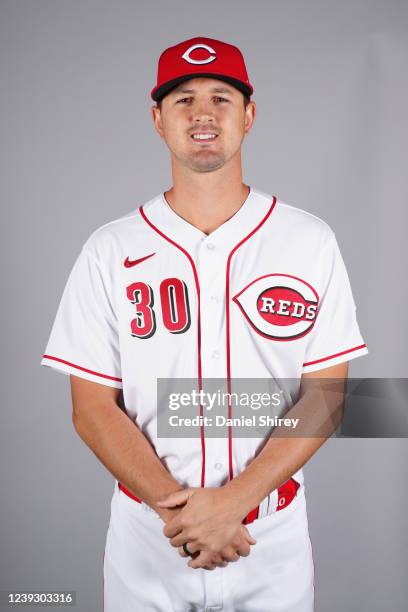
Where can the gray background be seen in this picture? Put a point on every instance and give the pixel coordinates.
(78, 149)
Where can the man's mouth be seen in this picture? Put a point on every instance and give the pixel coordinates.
(204, 137)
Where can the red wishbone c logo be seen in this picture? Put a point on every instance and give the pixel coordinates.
(208, 60)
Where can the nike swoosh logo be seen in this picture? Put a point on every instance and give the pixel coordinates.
(129, 264)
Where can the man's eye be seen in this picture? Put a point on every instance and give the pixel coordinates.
(218, 98)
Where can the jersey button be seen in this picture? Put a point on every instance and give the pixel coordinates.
(215, 354)
(210, 246)
(218, 466)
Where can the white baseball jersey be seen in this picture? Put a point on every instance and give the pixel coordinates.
(266, 295)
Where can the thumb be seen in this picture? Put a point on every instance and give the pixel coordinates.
(248, 536)
(178, 498)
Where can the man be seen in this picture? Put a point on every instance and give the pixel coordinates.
(212, 279)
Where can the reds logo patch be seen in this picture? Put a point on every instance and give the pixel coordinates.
(279, 306)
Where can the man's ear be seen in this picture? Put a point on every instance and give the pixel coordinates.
(157, 120)
(250, 113)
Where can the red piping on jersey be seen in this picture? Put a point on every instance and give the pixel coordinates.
(199, 368)
(356, 348)
(81, 368)
(128, 493)
(227, 323)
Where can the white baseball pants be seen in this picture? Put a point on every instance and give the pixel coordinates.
(144, 573)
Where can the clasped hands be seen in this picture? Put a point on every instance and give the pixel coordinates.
(210, 524)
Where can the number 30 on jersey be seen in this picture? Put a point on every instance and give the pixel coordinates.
(173, 302)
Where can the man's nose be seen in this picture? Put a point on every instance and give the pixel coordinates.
(202, 112)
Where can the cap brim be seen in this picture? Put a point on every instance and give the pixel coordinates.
(158, 93)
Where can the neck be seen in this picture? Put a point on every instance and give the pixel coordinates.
(208, 199)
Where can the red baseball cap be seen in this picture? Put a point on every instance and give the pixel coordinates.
(201, 57)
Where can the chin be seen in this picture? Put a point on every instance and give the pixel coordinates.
(206, 163)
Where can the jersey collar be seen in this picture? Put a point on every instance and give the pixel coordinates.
(224, 238)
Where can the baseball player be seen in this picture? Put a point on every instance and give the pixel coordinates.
(210, 279)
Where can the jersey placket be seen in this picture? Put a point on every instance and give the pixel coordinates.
(211, 263)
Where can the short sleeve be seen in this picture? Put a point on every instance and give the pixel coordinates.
(336, 336)
(84, 337)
